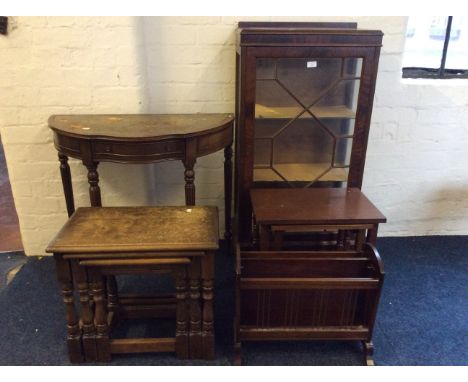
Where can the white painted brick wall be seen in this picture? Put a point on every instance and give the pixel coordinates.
(417, 162)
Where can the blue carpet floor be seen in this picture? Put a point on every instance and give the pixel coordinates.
(422, 319)
(9, 261)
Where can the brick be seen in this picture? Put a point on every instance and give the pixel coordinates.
(170, 35)
(61, 97)
(176, 74)
(126, 96)
(216, 35)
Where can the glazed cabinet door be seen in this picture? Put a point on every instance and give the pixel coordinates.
(305, 112)
(303, 117)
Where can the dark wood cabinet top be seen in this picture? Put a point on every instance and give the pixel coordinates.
(313, 206)
(290, 34)
(139, 126)
(138, 229)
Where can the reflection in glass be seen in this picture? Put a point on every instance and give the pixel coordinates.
(305, 110)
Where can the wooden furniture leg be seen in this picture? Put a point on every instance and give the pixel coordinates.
(189, 173)
(64, 277)
(87, 316)
(360, 239)
(264, 237)
(237, 354)
(207, 275)
(100, 315)
(340, 240)
(368, 353)
(95, 199)
(67, 183)
(372, 235)
(195, 338)
(93, 180)
(228, 192)
(182, 340)
(278, 240)
(112, 294)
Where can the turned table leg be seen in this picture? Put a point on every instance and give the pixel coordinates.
(64, 277)
(207, 275)
(95, 199)
(189, 173)
(100, 315)
(93, 180)
(112, 294)
(67, 183)
(182, 343)
(87, 317)
(195, 338)
(189, 176)
(227, 191)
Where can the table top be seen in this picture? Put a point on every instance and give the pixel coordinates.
(313, 206)
(139, 126)
(138, 229)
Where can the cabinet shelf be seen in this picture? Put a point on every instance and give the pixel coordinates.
(301, 172)
(290, 112)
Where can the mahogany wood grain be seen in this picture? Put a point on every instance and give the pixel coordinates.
(314, 206)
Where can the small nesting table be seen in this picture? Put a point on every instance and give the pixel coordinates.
(345, 210)
(96, 242)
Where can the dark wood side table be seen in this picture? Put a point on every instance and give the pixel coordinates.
(96, 242)
(304, 210)
(139, 138)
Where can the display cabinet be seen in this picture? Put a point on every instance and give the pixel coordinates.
(303, 100)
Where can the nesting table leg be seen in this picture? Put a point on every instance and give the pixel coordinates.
(64, 277)
(112, 294)
(195, 339)
(207, 275)
(182, 339)
(89, 343)
(100, 315)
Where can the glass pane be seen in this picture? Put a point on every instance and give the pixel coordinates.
(457, 52)
(262, 149)
(273, 101)
(336, 175)
(352, 67)
(307, 78)
(265, 69)
(339, 127)
(338, 102)
(424, 41)
(342, 152)
(302, 151)
(304, 117)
